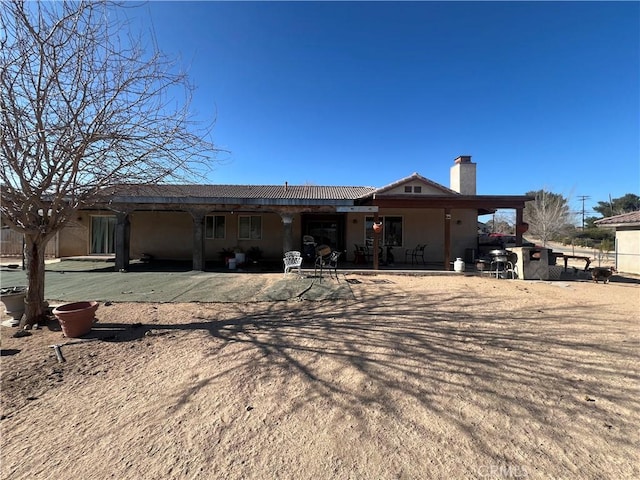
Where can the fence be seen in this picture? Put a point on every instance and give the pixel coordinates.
(11, 244)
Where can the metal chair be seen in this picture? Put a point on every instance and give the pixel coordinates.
(415, 253)
(362, 254)
(512, 266)
(292, 261)
(328, 262)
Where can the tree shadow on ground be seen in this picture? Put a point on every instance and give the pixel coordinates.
(533, 367)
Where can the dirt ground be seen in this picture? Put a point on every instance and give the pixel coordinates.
(431, 377)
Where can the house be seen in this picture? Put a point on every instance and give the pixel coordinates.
(182, 222)
(627, 249)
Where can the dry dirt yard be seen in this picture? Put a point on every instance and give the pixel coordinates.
(414, 378)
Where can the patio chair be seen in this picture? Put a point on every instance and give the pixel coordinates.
(292, 261)
(328, 262)
(415, 253)
(362, 254)
(512, 266)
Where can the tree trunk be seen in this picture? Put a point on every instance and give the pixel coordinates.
(35, 308)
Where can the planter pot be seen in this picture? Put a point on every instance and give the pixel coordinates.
(76, 319)
(13, 299)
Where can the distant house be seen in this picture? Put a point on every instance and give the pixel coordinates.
(196, 222)
(627, 250)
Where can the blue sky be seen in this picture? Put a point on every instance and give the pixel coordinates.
(541, 94)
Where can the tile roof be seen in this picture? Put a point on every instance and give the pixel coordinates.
(631, 218)
(290, 192)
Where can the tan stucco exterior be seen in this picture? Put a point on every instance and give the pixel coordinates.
(170, 221)
(169, 235)
(628, 250)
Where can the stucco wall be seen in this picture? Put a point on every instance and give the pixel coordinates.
(628, 250)
(421, 226)
(75, 237)
(464, 232)
(425, 189)
(169, 235)
(74, 240)
(165, 235)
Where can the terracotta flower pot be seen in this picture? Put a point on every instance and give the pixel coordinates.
(76, 319)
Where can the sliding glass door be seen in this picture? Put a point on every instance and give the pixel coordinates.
(103, 235)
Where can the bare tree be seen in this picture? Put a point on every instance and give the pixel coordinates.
(84, 108)
(502, 222)
(547, 215)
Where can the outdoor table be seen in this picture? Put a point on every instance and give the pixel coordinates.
(577, 257)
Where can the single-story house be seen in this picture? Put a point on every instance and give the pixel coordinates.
(627, 249)
(196, 222)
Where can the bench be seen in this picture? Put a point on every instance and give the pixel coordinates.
(576, 257)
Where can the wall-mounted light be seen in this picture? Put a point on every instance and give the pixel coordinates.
(447, 216)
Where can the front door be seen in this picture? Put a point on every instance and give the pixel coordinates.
(103, 230)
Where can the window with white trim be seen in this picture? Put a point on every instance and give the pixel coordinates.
(249, 227)
(214, 226)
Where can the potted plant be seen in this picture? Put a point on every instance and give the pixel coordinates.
(226, 254)
(239, 255)
(13, 300)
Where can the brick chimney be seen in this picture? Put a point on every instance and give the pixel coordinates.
(463, 176)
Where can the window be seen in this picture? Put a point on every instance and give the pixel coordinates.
(391, 231)
(214, 226)
(249, 227)
(417, 189)
(407, 189)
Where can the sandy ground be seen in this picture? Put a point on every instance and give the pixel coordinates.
(413, 378)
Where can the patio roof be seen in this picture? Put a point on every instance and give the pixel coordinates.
(483, 203)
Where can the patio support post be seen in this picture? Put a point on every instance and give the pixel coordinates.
(447, 239)
(287, 234)
(521, 227)
(376, 242)
(123, 235)
(198, 240)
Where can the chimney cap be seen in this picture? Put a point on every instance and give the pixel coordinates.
(463, 159)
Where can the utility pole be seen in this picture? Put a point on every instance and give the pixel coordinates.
(583, 198)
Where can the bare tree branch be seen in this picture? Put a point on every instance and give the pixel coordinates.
(84, 106)
(548, 215)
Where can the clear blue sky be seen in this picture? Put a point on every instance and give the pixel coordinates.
(541, 94)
